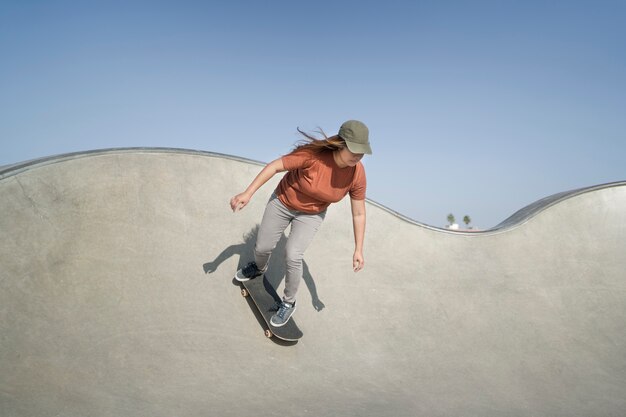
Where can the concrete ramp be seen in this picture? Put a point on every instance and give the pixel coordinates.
(117, 299)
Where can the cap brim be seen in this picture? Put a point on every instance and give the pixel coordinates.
(359, 147)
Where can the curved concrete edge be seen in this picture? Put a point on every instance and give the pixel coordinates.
(14, 169)
(516, 220)
(525, 214)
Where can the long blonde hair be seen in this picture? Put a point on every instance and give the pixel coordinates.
(317, 145)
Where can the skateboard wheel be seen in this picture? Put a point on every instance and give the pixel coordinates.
(244, 292)
(268, 333)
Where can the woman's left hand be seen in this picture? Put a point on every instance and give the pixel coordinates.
(358, 262)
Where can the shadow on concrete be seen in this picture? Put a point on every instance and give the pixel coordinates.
(276, 270)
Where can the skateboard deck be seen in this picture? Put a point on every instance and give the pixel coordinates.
(264, 297)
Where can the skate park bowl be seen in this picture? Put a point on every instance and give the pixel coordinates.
(117, 299)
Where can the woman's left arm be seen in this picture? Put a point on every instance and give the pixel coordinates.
(358, 223)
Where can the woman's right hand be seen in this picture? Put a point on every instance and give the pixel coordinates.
(239, 201)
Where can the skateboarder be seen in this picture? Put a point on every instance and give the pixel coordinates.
(319, 172)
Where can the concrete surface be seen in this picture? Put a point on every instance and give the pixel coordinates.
(117, 299)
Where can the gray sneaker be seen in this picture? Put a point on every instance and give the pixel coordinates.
(283, 315)
(248, 272)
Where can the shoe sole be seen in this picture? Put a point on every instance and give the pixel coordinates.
(244, 279)
(241, 279)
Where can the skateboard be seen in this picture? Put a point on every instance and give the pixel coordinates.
(265, 299)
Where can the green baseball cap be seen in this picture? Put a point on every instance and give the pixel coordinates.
(356, 136)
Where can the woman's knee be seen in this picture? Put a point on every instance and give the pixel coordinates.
(263, 249)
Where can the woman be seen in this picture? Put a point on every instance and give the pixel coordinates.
(320, 172)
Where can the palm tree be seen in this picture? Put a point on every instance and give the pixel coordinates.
(451, 218)
(467, 220)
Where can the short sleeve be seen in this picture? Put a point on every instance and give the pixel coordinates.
(359, 185)
(296, 160)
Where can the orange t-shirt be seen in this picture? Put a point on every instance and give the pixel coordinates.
(314, 181)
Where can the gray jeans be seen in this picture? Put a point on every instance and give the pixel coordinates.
(303, 228)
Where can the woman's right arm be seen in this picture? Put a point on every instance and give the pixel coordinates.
(241, 200)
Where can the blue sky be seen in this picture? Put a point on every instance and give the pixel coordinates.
(474, 107)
